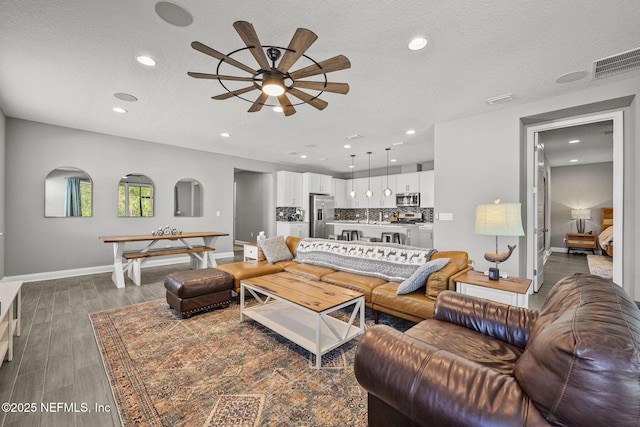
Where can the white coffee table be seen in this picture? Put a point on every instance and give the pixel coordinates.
(300, 309)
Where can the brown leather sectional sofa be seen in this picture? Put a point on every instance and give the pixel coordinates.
(380, 295)
(482, 363)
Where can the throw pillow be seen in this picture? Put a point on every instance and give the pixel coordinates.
(419, 278)
(275, 249)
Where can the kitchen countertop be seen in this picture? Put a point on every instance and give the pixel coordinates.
(382, 224)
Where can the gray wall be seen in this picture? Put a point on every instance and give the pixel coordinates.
(480, 158)
(40, 244)
(254, 205)
(3, 122)
(580, 186)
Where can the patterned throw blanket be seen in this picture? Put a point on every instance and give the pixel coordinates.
(387, 261)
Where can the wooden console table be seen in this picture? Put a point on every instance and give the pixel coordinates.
(200, 254)
(10, 312)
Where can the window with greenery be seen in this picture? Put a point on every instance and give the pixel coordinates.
(135, 196)
(86, 195)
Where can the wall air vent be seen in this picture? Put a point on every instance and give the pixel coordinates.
(616, 64)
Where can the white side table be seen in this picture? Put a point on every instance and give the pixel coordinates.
(512, 290)
(253, 252)
(10, 308)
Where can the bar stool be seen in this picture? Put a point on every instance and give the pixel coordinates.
(390, 237)
(350, 235)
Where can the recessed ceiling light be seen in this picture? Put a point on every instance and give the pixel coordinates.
(398, 143)
(303, 156)
(145, 60)
(354, 136)
(572, 77)
(347, 146)
(173, 14)
(277, 109)
(125, 97)
(573, 160)
(119, 110)
(351, 166)
(393, 160)
(574, 141)
(418, 43)
(410, 132)
(225, 135)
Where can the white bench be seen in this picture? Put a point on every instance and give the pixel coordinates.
(10, 310)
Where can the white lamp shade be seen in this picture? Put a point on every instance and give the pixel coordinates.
(502, 219)
(580, 213)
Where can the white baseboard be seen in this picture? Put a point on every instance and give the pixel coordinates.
(558, 249)
(60, 274)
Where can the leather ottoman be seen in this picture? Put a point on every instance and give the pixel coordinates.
(192, 291)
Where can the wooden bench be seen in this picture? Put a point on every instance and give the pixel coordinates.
(136, 258)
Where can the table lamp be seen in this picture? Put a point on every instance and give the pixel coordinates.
(499, 219)
(580, 215)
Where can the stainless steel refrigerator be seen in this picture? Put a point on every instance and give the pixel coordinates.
(322, 210)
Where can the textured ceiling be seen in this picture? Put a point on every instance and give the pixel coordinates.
(62, 61)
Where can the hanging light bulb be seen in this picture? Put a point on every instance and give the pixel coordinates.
(369, 192)
(387, 191)
(352, 193)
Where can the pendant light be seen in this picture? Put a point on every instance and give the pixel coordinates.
(369, 192)
(352, 193)
(387, 191)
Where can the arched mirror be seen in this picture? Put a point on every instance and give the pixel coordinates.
(187, 198)
(68, 191)
(135, 196)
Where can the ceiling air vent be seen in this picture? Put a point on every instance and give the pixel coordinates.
(616, 64)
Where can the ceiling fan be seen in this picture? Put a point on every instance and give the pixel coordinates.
(275, 79)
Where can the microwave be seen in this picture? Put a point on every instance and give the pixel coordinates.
(407, 199)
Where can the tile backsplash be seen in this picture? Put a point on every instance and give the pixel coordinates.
(286, 213)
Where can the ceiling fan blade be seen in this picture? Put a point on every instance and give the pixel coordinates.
(248, 35)
(316, 102)
(221, 56)
(257, 105)
(287, 108)
(220, 77)
(298, 45)
(234, 93)
(336, 63)
(342, 88)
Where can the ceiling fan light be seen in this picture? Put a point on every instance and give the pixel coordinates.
(272, 86)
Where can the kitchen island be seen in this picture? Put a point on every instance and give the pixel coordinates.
(409, 233)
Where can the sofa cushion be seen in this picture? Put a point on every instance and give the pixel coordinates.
(419, 277)
(356, 282)
(387, 261)
(247, 269)
(275, 249)
(308, 270)
(581, 364)
(415, 306)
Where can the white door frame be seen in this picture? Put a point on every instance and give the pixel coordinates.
(618, 179)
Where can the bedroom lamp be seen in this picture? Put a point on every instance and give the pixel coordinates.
(499, 219)
(580, 215)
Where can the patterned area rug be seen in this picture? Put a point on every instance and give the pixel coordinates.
(601, 265)
(212, 370)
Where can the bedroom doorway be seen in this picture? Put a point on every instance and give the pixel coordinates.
(537, 229)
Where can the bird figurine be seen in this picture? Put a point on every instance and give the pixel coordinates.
(498, 258)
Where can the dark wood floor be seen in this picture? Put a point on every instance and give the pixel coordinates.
(56, 358)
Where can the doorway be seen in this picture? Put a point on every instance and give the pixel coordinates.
(536, 228)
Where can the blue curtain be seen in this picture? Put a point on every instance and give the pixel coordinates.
(72, 200)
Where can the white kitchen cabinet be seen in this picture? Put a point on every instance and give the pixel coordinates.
(318, 183)
(289, 189)
(426, 189)
(339, 192)
(425, 237)
(408, 183)
(296, 229)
